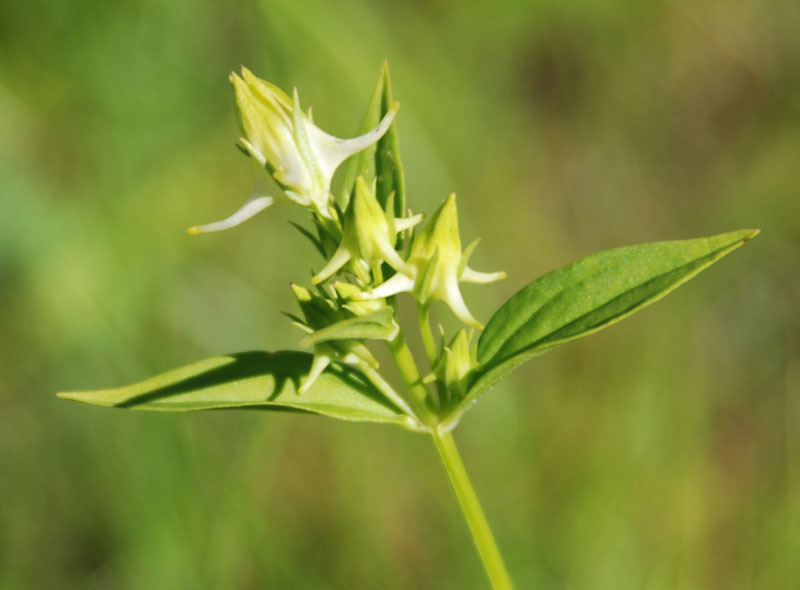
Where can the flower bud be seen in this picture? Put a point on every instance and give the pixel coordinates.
(284, 141)
(337, 333)
(439, 265)
(456, 363)
(353, 299)
(369, 235)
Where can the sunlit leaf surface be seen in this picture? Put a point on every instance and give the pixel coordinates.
(253, 380)
(586, 296)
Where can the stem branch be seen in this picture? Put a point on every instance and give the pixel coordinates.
(411, 377)
(429, 342)
(423, 315)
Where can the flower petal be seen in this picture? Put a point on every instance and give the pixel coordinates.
(455, 301)
(404, 223)
(253, 206)
(469, 275)
(337, 261)
(399, 283)
(332, 151)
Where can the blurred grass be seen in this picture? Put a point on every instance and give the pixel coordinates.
(660, 454)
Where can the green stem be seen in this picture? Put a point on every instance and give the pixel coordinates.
(424, 317)
(478, 525)
(412, 379)
(377, 273)
(388, 391)
(429, 342)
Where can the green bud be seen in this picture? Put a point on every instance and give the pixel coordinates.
(318, 311)
(456, 363)
(336, 333)
(353, 299)
(369, 235)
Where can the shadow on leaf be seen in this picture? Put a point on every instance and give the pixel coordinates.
(284, 367)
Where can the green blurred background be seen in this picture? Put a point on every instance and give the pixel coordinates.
(662, 453)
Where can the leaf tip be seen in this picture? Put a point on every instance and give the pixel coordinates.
(75, 396)
(751, 233)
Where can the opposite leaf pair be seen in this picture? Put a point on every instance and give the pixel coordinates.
(357, 233)
(559, 307)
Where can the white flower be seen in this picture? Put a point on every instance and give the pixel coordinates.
(284, 141)
(438, 266)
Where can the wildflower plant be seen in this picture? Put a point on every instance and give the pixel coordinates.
(373, 250)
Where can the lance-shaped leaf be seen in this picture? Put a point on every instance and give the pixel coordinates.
(258, 381)
(380, 161)
(586, 296)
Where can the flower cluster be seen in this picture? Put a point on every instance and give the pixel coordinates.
(360, 243)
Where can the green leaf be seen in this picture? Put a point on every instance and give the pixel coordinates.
(382, 160)
(254, 380)
(585, 297)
